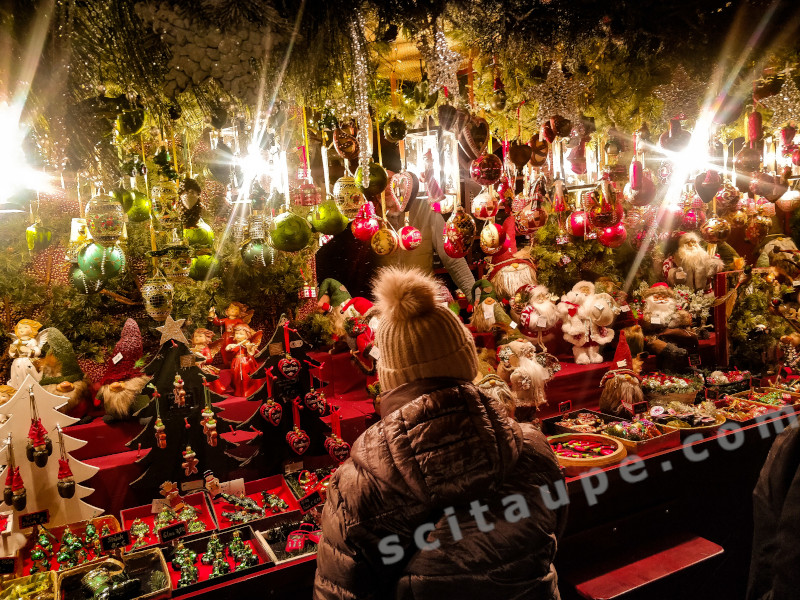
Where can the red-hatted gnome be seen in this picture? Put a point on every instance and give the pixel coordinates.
(691, 265)
(349, 321)
(510, 268)
(622, 384)
(525, 375)
(123, 381)
(62, 376)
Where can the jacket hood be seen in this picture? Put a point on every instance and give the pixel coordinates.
(444, 440)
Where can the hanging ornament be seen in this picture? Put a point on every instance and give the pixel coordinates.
(101, 262)
(384, 241)
(727, 198)
(375, 183)
(190, 461)
(104, 219)
(38, 237)
(8, 490)
(715, 230)
(441, 63)
(203, 267)
(603, 210)
(175, 260)
(289, 367)
(361, 77)
(179, 391)
(491, 238)
(707, 185)
(297, 439)
(613, 236)
(499, 96)
(643, 196)
(19, 496)
(210, 430)
(188, 206)
(348, 196)
(291, 233)
(738, 218)
(757, 228)
(327, 218)
(785, 105)
(160, 432)
(539, 151)
(157, 293)
(789, 202)
(747, 160)
(140, 206)
(403, 188)
(271, 412)
(410, 236)
(459, 233)
(39, 445)
(486, 169)
(770, 187)
(394, 130)
(558, 94)
(693, 219)
(306, 194)
(681, 95)
(66, 480)
(366, 223)
(338, 449)
(345, 144)
(315, 401)
(485, 205)
(83, 283)
(577, 224)
(164, 200)
(257, 254)
(200, 236)
(675, 138)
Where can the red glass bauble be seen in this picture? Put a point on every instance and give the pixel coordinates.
(693, 219)
(576, 225)
(459, 231)
(612, 237)
(486, 169)
(366, 224)
(410, 237)
(485, 204)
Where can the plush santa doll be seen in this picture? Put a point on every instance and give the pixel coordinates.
(123, 381)
(666, 328)
(539, 313)
(622, 385)
(692, 265)
(62, 376)
(578, 313)
(510, 269)
(599, 310)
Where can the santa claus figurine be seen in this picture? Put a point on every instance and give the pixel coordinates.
(691, 265)
(665, 327)
(586, 319)
(539, 314)
(123, 381)
(510, 269)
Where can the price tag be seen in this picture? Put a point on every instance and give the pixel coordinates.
(41, 517)
(293, 467)
(655, 320)
(488, 311)
(118, 357)
(234, 487)
(375, 353)
(308, 502)
(625, 308)
(622, 363)
(513, 325)
(172, 532)
(542, 322)
(565, 406)
(657, 411)
(121, 539)
(599, 306)
(640, 408)
(158, 505)
(694, 360)
(7, 566)
(190, 486)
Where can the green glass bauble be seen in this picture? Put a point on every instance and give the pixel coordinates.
(139, 209)
(101, 262)
(38, 237)
(291, 233)
(105, 218)
(123, 196)
(378, 180)
(257, 254)
(83, 283)
(131, 122)
(394, 130)
(201, 236)
(327, 218)
(203, 267)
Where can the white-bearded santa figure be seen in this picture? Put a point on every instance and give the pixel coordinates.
(692, 265)
(599, 311)
(539, 314)
(665, 327)
(573, 323)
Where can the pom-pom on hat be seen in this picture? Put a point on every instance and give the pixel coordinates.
(130, 348)
(418, 337)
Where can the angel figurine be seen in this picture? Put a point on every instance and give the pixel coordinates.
(205, 349)
(236, 314)
(243, 348)
(27, 345)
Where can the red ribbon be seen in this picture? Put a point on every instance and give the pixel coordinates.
(296, 412)
(336, 422)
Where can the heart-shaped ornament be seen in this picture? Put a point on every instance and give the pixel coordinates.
(403, 188)
(298, 440)
(271, 412)
(345, 144)
(474, 136)
(337, 448)
(315, 401)
(520, 154)
(289, 367)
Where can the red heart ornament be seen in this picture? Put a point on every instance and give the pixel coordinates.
(298, 440)
(272, 412)
(315, 401)
(289, 367)
(403, 188)
(337, 448)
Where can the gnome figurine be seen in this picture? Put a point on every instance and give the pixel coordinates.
(488, 313)
(123, 381)
(510, 269)
(622, 385)
(62, 376)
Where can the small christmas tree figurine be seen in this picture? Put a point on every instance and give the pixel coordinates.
(213, 547)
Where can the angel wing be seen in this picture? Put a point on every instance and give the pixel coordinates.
(41, 339)
(247, 316)
(214, 347)
(256, 338)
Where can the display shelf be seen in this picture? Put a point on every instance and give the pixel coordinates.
(145, 513)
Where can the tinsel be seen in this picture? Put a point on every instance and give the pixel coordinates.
(785, 105)
(441, 62)
(356, 27)
(681, 95)
(558, 95)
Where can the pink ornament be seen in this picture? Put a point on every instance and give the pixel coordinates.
(577, 223)
(410, 237)
(366, 224)
(693, 219)
(612, 237)
(486, 169)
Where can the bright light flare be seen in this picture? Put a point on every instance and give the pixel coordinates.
(15, 173)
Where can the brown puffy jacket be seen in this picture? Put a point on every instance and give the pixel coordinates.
(440, 446)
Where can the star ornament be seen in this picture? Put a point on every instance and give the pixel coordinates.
(440, 61)
(171, 330)
(785, 105)
(681, 95)
(558, 95)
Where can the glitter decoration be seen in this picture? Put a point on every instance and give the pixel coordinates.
(681, 95)
(785, 105)
(558, 95)
(441, 63)
(356, 28)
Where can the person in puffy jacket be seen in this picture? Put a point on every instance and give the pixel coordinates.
(441, 498)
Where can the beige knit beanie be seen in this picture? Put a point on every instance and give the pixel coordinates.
(417, 336)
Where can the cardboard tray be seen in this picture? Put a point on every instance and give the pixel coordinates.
(274, 485)
(199, 545)
(667, 439)
(725, 402)
(197, 500)
(576, 466)
(24, 564)
(274, 538)
(144, 563)
(6, 587)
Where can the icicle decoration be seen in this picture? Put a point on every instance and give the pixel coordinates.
(360, 86)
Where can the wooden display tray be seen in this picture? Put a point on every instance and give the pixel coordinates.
(275, 484)
(24, 581)
(705, 430)
(667, 439)
(576, 466)
(199, 545)
(197, 500)
(148, 560)
(724, 402)
(791, 398)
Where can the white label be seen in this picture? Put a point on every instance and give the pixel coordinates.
(625, 308)
(373, 323)
(375, 353)
(234, 487)
(117, 358)
(488, 312)
(513, 325)
(296, 344)
(655, 320)
(542, 322)
(657, 410)
(796, 283)
(621, 363)
(293, 467)
(599, 306)
(159, 504)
